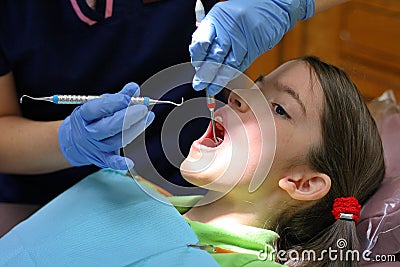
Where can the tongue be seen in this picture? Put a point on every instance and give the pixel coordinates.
(208, 142)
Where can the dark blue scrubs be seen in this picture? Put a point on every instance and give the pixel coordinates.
(52, 49)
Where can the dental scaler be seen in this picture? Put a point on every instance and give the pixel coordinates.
(81, 99)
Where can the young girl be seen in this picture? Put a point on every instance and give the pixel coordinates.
(326, 159)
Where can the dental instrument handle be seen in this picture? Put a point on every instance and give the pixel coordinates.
(211, 104)
(81, 99)
(72, 99)
(63, 99)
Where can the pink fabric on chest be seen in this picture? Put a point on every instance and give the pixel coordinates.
(91, 4)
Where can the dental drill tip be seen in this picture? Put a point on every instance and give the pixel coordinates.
(213, 126)
(211, 104)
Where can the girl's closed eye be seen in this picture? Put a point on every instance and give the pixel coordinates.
(280, 111)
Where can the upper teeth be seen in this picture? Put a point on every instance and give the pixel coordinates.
(218, 118)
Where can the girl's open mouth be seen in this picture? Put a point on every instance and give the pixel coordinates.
(208, 139)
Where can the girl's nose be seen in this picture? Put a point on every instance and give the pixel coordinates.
(237, 103)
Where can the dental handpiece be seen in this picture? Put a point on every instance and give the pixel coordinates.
(200, 15)
(81, 99)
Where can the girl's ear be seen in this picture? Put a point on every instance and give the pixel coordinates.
(310, 186)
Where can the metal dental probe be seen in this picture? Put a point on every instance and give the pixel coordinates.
(200, 15)
(81, 99)
(211, 106)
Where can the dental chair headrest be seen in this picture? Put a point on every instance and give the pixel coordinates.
(379, 224)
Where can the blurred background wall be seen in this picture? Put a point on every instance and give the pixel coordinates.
(361, 36)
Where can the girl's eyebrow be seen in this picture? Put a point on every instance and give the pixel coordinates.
(290, 91)
(287, 89)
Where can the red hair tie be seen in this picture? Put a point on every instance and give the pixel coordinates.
(346, 208)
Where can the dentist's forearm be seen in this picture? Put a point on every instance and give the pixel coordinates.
(322, 5)
(29, 147)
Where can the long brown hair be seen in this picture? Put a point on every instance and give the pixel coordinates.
(351, 154)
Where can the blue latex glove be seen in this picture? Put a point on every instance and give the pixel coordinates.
(96, 130)
(236, 32)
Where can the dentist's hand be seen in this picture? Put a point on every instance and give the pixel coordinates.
(236, 32)
(92, 134)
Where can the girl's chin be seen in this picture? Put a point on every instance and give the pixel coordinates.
(207, 168)
(203, 164)
(197, 164)
(201, 179)
(193, 176)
